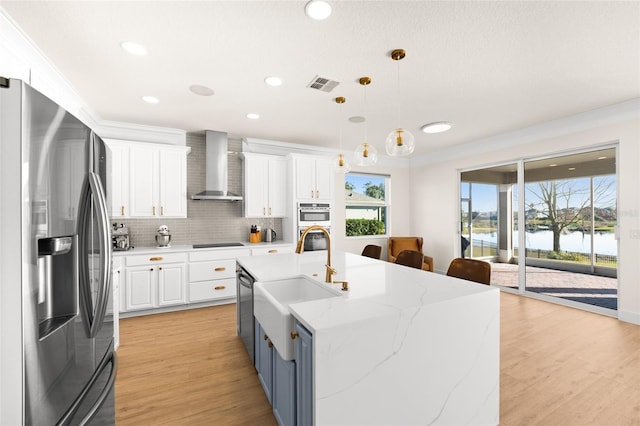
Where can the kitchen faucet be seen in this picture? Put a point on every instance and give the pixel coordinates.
(300, 249)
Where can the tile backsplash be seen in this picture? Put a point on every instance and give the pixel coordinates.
(207, 221)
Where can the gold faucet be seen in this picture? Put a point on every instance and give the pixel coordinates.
(300, 249)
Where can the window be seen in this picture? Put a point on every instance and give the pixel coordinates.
(366, 204)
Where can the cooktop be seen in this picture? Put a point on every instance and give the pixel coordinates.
(213, 245)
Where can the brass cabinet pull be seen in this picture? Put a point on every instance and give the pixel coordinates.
(269, 211)
(155, 259)
(270, 344)
(220, 268)
(317, 194)
(312, 193)
(264, 211)
(265, 337)
(161, 210)
(294, 335)
(220, 287)
(154, 210)
(121, 210)
(273, 251)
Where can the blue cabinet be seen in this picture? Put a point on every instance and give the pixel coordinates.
(304, 376)
(277, 377)
(264, 360)
(284, 390)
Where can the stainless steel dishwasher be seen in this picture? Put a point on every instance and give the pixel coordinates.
(244, 308)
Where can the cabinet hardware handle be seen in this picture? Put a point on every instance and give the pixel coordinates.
(220, 268)
(317, 194)
(155, 259)
(264, 211)
(269, 211)
(294, 335)
(265, 337)
(151, 269)
(220, 287)
(160, 268)
(312, 193)
(270, 344)
(117, 272)
(154, 210)
(273, 251)
(161, 210)
(121, 210)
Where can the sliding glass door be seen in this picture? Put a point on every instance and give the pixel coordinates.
(548, 229)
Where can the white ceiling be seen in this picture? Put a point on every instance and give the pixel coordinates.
(488, 67)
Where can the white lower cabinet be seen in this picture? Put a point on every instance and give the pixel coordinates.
(153, 281)
(212, 274)
(277, 377)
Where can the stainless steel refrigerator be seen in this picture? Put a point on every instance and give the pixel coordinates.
(57, 361)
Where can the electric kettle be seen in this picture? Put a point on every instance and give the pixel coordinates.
(269, 235)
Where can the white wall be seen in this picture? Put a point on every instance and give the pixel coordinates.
(400, 213)
(436, 195)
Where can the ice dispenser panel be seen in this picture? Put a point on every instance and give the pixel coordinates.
(57, 283)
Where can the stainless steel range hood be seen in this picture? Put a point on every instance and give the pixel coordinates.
(216, 169)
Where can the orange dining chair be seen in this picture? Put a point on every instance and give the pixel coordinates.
(471, 270)
(397, 244)
(372, 251)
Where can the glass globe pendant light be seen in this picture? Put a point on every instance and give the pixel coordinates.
(340, 164)
(400, 141)
(366, 154)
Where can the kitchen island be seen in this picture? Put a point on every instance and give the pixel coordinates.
(401, 346)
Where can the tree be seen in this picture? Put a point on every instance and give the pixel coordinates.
(375, 191)
(349, 186)
(564, 203)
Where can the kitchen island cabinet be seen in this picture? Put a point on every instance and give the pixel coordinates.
(402, 346)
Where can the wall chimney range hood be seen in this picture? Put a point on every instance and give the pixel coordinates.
(216, 169)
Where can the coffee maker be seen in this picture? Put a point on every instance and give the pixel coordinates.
(120, 237)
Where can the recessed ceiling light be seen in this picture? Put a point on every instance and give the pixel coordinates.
(601, 158)
(273, 81)
(201, 90)
(572, 168)
(357, 119)
(150, 99)
(317, 9)
(133, 48)
(253, 116)
(437, 127)
(552, 165)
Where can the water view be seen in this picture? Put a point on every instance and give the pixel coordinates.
(604, 243)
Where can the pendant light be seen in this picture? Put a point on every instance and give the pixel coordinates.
(366, 154)
(340, 164)
(400, 141)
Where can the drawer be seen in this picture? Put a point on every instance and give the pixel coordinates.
(215, 270)
(152, 259)
(199, 255)
(210, 290)
(272, 250)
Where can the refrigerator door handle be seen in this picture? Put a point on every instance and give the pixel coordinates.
(92, 191)
(110, 359)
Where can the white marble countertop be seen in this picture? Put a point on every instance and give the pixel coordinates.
(402, 346)
(189, 247)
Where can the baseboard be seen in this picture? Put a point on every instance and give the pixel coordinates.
(632, 317)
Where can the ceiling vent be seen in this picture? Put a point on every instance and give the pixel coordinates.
(323, 84)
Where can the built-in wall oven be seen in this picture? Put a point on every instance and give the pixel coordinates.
(314, 214)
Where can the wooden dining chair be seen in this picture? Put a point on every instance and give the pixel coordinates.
(372, 251)
(471, 270)
(410, 258)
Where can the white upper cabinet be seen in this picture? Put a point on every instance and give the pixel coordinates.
(147, 180)
(314, 178)
(265, 185)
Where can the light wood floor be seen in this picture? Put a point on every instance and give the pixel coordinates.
(559, 366)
